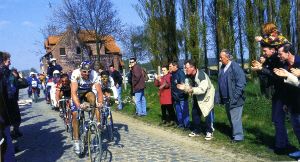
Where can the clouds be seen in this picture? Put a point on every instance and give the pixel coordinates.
(4, 23)
(28, 24)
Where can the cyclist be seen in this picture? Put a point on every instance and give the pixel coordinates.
(33, 82)
(107, 82)
(55, 78)
(82, 81)
(63, 89)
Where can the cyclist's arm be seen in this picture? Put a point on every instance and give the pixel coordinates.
(99, 92)
(74, 88)
(57, 93)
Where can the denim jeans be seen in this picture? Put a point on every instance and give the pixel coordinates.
(196, 116)
(278, 119)
(235, 119)
(182, 113)
(119, 90)
(140, 102)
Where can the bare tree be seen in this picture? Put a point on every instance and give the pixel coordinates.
(97, 17)
(134, 43)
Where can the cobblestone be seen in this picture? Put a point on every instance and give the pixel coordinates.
(46, 140)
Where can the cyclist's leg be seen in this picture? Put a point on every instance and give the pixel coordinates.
(75, 125)
(91, 98)
(74, 121)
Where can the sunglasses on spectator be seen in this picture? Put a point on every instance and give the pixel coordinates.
(131, 62)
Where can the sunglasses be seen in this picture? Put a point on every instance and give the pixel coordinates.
(85, 71)
(131, 62)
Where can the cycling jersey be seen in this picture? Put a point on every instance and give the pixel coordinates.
(84, 86)
(65, 89)
(82, 83)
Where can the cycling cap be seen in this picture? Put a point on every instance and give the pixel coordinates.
(52, 59)
(86, 65)
(56, 72)
(32, 73)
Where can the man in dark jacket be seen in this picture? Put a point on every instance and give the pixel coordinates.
(117, 77)
(8, 150)
(278, 113)
(53, 66)
(292, 93)
(138, 83)
(179, 97)
(231, 84)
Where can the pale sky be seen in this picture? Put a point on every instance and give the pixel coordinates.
(21, 21)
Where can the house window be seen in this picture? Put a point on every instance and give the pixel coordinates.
(78, 50)
(62, 51)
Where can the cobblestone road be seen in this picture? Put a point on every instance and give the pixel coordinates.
(45, 140)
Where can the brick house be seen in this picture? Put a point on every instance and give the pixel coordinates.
(69, 50)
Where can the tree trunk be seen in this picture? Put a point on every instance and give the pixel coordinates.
(204, 36)
(240, 24)
(298, 26)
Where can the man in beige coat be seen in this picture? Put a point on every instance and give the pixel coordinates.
(203, 93)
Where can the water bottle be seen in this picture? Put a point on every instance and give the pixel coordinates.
(186, 82)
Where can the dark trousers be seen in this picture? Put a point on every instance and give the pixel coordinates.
(171, 112)
(278, 119)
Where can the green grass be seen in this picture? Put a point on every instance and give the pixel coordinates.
(258, 128)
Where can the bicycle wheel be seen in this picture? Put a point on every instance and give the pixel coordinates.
(94, 143)
(109, 128)
(35, 97)
(82, 136)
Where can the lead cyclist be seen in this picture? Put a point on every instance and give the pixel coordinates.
(82, 81)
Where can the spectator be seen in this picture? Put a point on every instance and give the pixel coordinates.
(179, 98)
(117, 77)
(52, 67)
(130, 82)
(7, 149)
(265, 87)
(231, 84)
(15, 83)
(203, 98)
(164, 85)
(138, 84)
(292, 97)
(278, 112)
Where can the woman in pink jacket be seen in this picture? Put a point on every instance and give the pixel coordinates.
(164, 85)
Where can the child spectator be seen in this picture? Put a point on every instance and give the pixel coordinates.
(271, 35)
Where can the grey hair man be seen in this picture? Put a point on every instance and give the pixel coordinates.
(230, 92)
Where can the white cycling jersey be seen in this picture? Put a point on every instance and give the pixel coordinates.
(82, 83)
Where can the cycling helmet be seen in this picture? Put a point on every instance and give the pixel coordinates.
(86, 65)
(32, 73)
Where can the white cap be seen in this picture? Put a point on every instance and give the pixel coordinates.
(52, 59)
(32, 73)
(55, 72)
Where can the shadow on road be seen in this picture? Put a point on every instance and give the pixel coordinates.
(107, 155)
(41, 142)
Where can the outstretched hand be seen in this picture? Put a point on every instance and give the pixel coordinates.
(281, 72)
(255, 65)
(295, 72)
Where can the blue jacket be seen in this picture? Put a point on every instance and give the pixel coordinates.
(178, 77)
(236, 85)
(30, 79)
